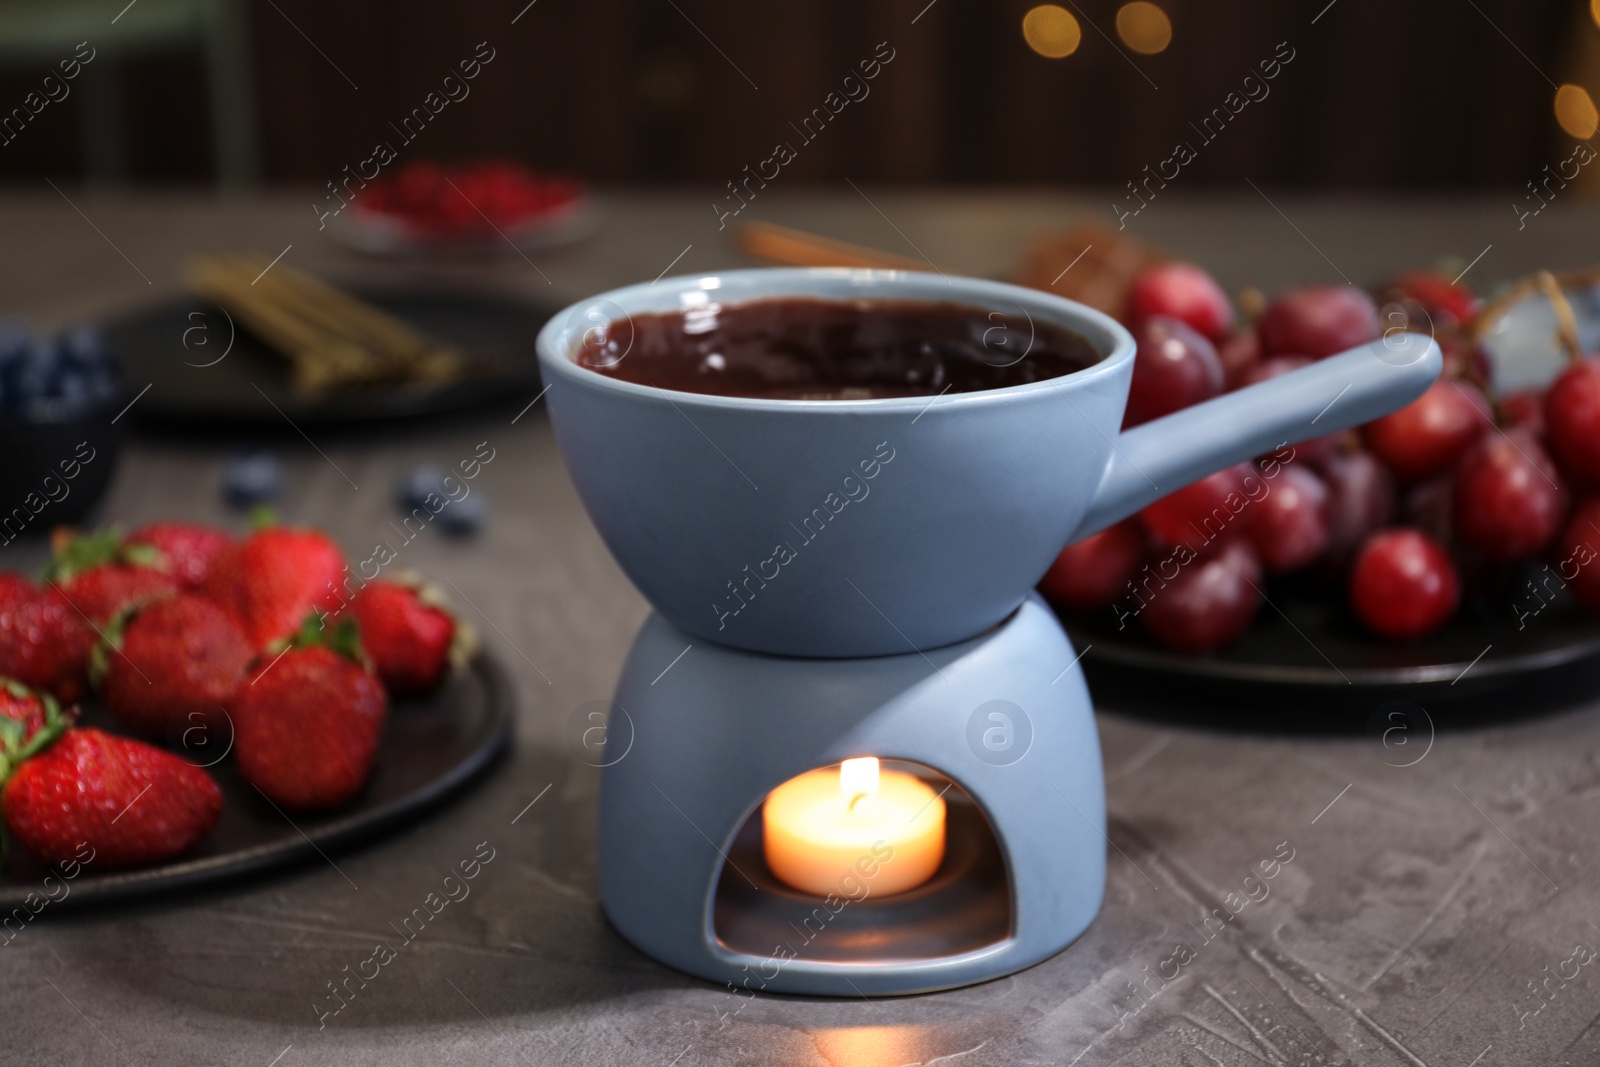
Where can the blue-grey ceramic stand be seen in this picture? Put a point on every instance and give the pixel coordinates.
(692, 753)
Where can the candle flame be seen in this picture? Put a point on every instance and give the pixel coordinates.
(858, 778)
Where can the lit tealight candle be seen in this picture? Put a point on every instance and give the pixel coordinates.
(880, 828)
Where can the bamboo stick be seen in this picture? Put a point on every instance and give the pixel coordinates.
(331, 338)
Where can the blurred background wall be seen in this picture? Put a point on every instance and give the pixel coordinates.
(1424, 94)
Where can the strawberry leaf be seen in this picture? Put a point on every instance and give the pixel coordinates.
(14, 746)
(110, 641)
(144, 555)
(55, 724)
(344, 638)
(76, 554)
(310, 633)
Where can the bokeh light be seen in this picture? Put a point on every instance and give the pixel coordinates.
(1145, 28)
(1052, 31)
(1576, 112)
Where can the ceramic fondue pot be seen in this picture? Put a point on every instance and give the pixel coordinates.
(844, 528)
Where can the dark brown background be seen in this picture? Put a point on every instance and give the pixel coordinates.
(1420, 94)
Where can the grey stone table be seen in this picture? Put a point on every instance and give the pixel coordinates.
(1442, 914)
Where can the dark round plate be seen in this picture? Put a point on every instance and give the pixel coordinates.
(1305, 665)
(203, 368)
(431, 749)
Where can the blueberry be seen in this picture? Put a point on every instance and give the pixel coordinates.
(465, 517)
(416, 485)
(457, 517)
(31, 372)
(15, 337)
(104, 383)
(83, 348)
(20, 379)
(251, 479)
(69, 386)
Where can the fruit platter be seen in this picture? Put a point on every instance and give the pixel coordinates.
(208, 367)
(179, 705)
(1444, 554)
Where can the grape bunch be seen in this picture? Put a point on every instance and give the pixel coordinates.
(1399, 518)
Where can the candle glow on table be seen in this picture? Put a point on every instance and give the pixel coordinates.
(881, 828)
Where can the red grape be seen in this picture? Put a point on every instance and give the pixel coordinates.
(1460, 361)
(1270, 368)
(1438, 294)
(1430, 433)
(1315, 450)
(1509, 499)
(1238, 354)
(1360, 499)
(1289, 526)
(1184, 292)
(1202, 514)
(1317, 321)
(1403, 584)
(1580, 545)
(1430, 506)
(1210, 602)
(1173, 368)
(1572, 421)
(1091, 573)
(1525, 408)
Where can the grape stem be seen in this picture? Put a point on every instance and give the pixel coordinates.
(1566, 323)
(1552, 285)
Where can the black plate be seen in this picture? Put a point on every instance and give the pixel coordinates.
(177, 348)
(431, 749)
(1305, 665)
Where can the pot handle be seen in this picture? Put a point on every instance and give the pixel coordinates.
(1166, 454)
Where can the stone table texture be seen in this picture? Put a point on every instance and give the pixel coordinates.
(1442, 913)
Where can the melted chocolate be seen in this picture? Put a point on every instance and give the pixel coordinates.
(802, 349)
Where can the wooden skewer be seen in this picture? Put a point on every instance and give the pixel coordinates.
(1090, 263)
(360, 318)
(330, 337)
(319, 359)
(796, 248)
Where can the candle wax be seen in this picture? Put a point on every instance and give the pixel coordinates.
(821, 838)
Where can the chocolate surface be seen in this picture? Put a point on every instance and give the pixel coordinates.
(805, 349)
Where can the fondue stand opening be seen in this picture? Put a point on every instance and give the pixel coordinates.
(833, 829)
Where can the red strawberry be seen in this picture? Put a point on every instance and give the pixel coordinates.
(130, 802)
(44, 643)
(99, 576)
(174, 666)
(190, 547)
(272, 578)
(408, 634)
(29, 711)
(306, 727)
